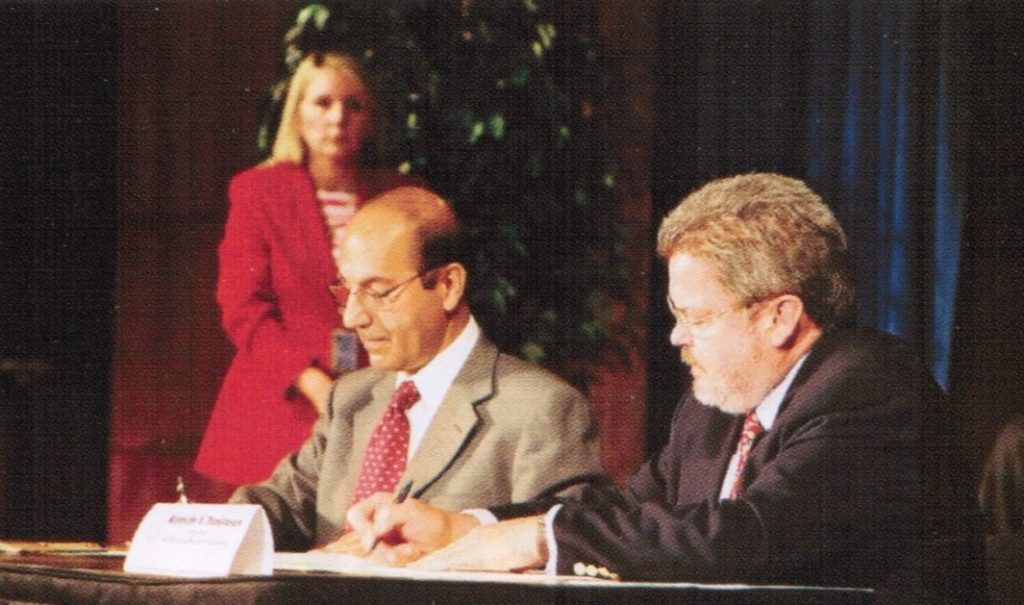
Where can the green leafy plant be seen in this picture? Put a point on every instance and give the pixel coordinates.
(497, 105)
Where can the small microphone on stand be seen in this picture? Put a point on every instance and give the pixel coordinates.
(180, 488)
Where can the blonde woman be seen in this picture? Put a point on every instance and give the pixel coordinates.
(276, 262)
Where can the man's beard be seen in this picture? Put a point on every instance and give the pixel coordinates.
(687, 357)
(725, 400)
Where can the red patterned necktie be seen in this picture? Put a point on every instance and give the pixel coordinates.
(384, 461)
(751, 429)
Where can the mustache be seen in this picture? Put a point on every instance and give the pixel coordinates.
(686, 355)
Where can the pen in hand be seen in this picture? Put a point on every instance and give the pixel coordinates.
(399, 498)
(404, 492)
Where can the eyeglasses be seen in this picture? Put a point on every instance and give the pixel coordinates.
(696, 325)
(368, 298)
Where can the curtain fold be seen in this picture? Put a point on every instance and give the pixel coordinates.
(865, 100)
(883, 112)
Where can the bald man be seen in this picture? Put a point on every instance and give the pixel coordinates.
(483, 428)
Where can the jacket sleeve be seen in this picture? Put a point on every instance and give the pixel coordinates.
(1001, 491)
(559, 448)
(250, 314)
(289, 496)
(593, 488)
(817, 495)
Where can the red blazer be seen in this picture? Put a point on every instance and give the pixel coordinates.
(275, 266)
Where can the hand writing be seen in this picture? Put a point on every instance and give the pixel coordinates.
(506, 546)
(402, 532)
(349, 543)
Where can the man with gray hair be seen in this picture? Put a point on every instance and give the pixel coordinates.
(806, 452)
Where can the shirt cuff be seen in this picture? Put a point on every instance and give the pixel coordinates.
(551, 567)
(484, 516)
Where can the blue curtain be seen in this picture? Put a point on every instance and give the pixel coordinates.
(864, 99)
(884, 128)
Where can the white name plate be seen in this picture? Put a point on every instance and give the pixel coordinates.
(202, 540)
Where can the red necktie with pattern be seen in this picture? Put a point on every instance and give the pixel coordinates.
(751, 429)
(384, 461)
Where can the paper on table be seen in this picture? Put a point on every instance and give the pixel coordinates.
(326, 561)
(346, 564)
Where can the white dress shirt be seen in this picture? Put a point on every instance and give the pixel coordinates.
(433, 381)
(766, 411)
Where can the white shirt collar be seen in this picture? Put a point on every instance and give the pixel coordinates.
(768, 409)
(766, 412)
(434, 379)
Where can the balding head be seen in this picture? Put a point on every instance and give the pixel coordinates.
(416, 213)
(399, 262)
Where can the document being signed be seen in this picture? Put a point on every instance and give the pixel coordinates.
(325, 561)
(317, 561)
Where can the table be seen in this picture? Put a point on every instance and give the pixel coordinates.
(39, 579)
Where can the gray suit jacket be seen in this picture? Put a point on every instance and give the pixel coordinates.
(506, 431)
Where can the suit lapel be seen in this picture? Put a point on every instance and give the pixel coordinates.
(722, 435)
(314, 231)
(363, 422)
(456, 418)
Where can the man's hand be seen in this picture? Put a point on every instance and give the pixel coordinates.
(349, 544)
(315, 384)
(507, 546)
(399, 533)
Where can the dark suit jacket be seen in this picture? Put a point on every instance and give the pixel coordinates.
(506, 430)
(855, 484)
(1001, 492)
(1001, 495)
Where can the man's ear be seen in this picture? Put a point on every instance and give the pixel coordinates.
(784, 312)
(452, 281)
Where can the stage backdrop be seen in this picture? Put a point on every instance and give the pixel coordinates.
(906, 116)
(192, 78)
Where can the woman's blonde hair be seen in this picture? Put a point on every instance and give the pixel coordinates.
(288, 144)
